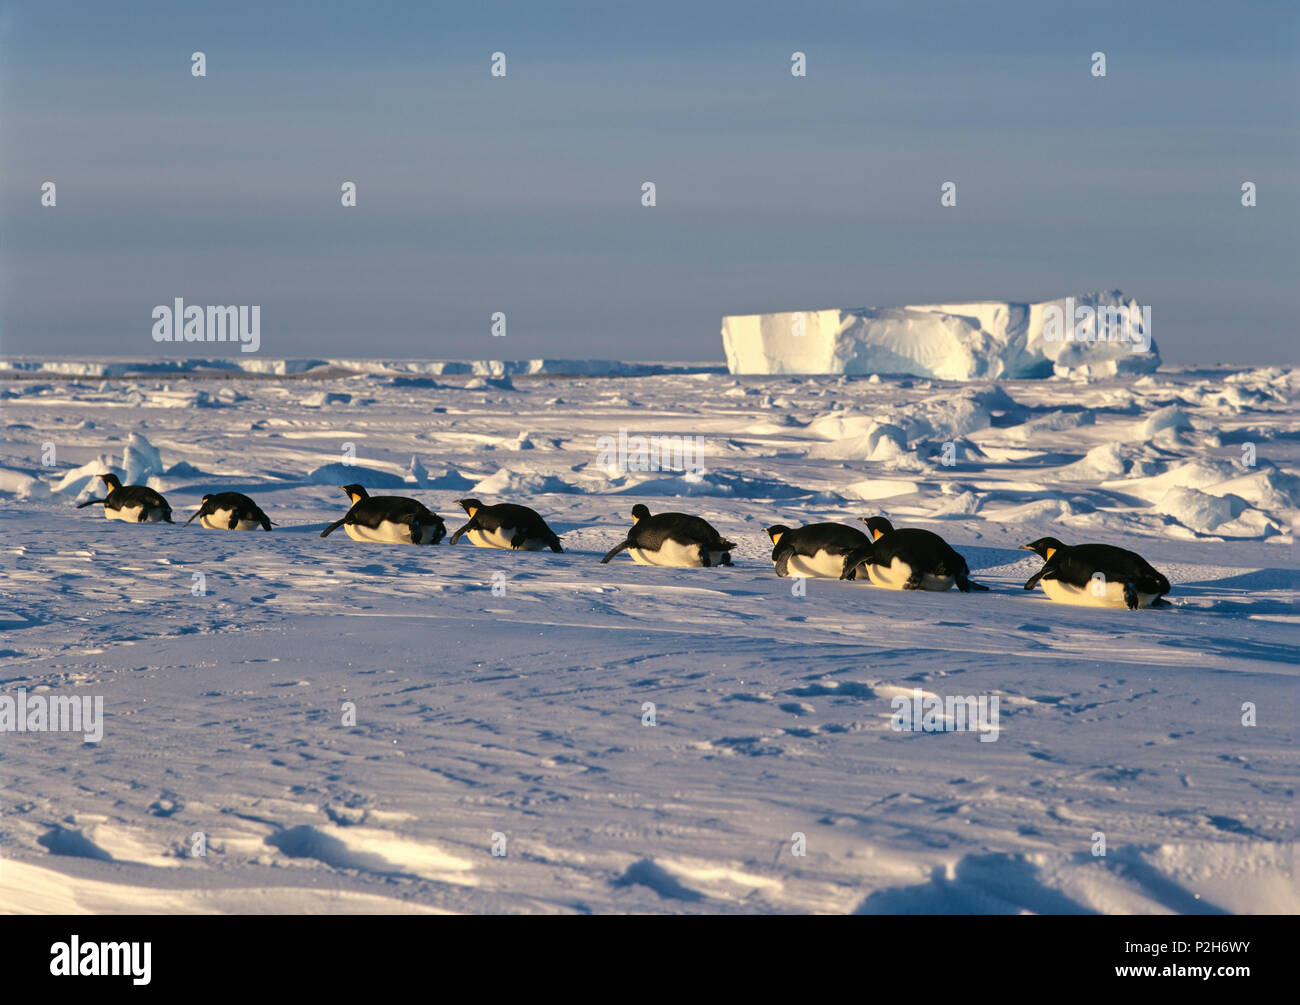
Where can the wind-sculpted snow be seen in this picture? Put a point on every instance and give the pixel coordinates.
(1098, 334)
(504, 694)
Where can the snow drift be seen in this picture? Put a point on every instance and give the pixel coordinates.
(989, 339)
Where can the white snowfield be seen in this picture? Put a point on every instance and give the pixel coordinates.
(297, 724)
(1096, 334)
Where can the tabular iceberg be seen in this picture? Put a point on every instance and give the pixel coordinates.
(1096, 334)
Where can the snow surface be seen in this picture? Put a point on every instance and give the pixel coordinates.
(521, 712)
(944, 341)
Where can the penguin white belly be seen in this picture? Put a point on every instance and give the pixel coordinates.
(823, 565)
(898, 572)
(386, 533)
(131, 514)
(1087, 596)
(501, 538)
(219, 519)
(676, 555)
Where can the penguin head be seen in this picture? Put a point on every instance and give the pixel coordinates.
(112, 481)
(776, 531)
(877, 526)
(640, 512)
(204, 500)
(355, 492)
(1044, 547)
(470, 506)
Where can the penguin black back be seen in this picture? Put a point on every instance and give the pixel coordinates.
(1079, 566)
(506, 525)
(148, 503)
(388, 519)
(653, 534)
(227, 510)
(816, 549)
(924, 555)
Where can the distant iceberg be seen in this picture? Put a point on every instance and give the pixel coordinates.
(1096, 335)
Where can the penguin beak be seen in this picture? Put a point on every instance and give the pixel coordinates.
(1025, 547)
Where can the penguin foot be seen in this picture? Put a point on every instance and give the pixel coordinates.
(1130, 597)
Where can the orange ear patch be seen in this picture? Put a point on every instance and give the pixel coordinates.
(1050, 553)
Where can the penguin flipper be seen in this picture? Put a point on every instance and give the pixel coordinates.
(333, 527)
(623, 546)
(966, 584)
(197, 514)
(1033, 580)
(554, 542)
(855, 558)
(90, 502)
(781, 556)
(472, 524)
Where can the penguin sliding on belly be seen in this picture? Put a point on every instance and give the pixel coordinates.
(388, 520)
(910, 559)
(505, 525)
(1097, 575)
(673, 539)
(230, 511)
(819, 550)
(133, 503)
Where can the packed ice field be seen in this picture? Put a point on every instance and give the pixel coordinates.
(538, 732)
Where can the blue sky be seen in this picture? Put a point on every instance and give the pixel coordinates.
(522, 194)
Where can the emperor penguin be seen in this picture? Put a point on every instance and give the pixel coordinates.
(230, 511)
(505, 525)
(910, 559)
(819, 550)
(1097, 575)
(673, 539)
(133, 503)
(388, 519)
